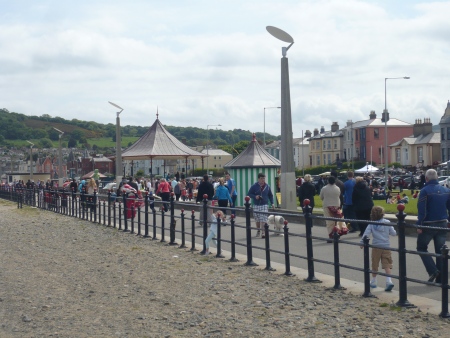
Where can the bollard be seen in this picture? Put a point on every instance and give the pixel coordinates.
(183, 234)
(233, 240)
(287, 257)
(309, 245)
(172, 220)
(193, 231)
(337, 268)
(444, 278)
(267, 248)
(248, 233)
(219, 244)
(205, 222)
(367, 292)
(403, 301)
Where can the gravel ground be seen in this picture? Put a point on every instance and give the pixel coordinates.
(63, 277)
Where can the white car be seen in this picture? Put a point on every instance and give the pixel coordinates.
(110, 186)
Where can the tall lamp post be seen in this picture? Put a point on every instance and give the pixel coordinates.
(31, 160)
(287, 176)
(119, 172)
(207, 144)
(60, 174)
(265, 121)
(385, 119)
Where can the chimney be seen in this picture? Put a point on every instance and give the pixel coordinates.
(427, 126)
(322, 129)
(417, 128)
(349, 123)
(334, 127)
(316, 131)
(183, 140)
(372, 115)
(308, 133)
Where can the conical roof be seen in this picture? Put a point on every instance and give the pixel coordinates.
(158, 143)
(254, 156)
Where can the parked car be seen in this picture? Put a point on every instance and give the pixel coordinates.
(442, 180)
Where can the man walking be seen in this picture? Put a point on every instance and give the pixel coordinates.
(348, 209)
(433, 208)
(231, 185)
(261, 194)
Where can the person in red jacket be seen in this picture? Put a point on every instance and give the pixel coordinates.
(164, 192)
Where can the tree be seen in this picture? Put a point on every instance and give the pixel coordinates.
(72, 143)
(45, 143)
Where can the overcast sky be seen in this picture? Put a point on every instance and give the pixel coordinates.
(213, 62)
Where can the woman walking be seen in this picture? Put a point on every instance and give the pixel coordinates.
(331, 207)
(307, 191)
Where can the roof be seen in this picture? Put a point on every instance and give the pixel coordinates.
(215, 152)
(327, 134)
(431, 138)
(254, 156)
(158, 143)
(101, 159)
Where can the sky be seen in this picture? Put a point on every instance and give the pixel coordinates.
(203, 63)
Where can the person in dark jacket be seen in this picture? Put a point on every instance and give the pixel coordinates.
(205, 187)
(362, 202)
(307, 191)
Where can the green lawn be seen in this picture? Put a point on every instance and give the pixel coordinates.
(410, 208)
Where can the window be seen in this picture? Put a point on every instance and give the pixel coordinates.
(318, 145)
(324, 144)
(442, 135)
(312, 145)
(335, 144)
(376, 133)
(448, 133)
(443, 155)
(329, 158)
(318, 160)
(329, 144)
(363, 134)
(362, 153)
(406, 155)
(397, 155)
(324, 158)
(356, 135)
(348, 136)
(220, 157)
(448, 153)
(419, 154)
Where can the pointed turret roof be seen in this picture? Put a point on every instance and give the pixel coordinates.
(254, 156)
(158, 143)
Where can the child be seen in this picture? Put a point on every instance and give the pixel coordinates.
(381, 240)
(213, 230)
(404, 200)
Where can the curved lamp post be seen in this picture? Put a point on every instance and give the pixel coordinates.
(31, 160)
(119, 173)
(60, 174)
(384, 119)
(287, 176)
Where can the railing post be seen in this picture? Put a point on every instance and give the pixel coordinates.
(162, 225)
(120, 215)
(139, 220)
(267, 248)
(233, 240)
(444, 279)
(146, 215)
(193, 231)
(73, 202)
(218, 238)
(337, 268)
(287, 257)
(172, 219)
(114, 214)
(183, 234)
(154, 238)
(367, 292)
(205, 222)
(403, 301)
(125, 211)
(248, 233)
(309, 245)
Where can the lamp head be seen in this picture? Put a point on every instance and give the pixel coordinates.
(406, 77)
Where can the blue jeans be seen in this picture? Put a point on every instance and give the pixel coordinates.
(425, 238)
(233, 206)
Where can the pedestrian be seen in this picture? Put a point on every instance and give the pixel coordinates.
(433, 208)
(205, 188)
(381, 250)
(177, 190)
(348, 208)
(341, 187)
(223, 196)
(261, 195)
(307, 191)
(401, 183)
(212, 230)
(331, 207)
(164, 192)
(362, 202)
(231, 185)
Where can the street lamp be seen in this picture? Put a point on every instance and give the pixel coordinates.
(119, 172)
(265, 121)
(207, 144)
(60, 175)
(287, 176)
(384, 119)
(31, 160)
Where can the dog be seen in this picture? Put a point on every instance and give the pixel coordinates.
(277, 222)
